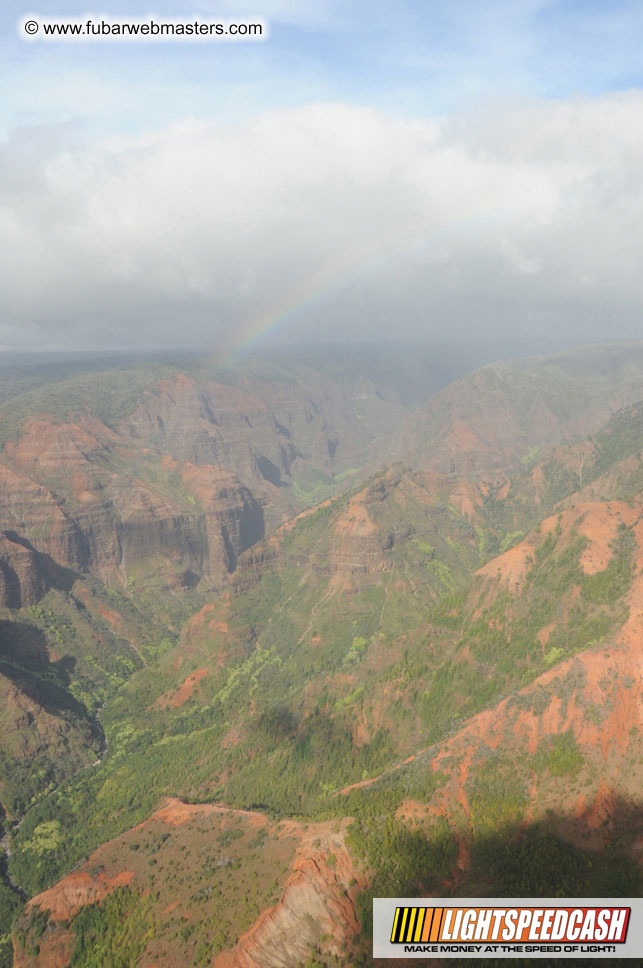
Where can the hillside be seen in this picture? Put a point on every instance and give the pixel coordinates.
(505, 415)
(539, 791)
(416, 684)
(127, 494)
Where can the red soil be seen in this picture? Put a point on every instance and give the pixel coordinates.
(176, 697)
(66, 898)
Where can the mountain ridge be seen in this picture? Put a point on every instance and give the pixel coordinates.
(451, 661)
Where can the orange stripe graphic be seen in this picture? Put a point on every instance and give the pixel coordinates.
(428, 921)
(438, 915)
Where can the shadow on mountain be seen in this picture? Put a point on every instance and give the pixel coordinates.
(50, 573)
(513, 862)
(25, 661)
(57, 576)
(538, 862)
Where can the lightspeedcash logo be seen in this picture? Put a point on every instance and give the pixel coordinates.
(505, 927)
(510, 926)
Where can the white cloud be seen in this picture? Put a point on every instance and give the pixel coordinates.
(524, 218)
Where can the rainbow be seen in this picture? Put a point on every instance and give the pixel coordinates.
(336, 274)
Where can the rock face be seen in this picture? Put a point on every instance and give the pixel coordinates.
(33, 513)
(233, 519)
(77, 495)
(178, 489)
(318, 883)
(359, 545)
(21, 580)
(316, 907)
(265, 424)
(265, 434)
(199, 471)
(213, 424)
(361, 533)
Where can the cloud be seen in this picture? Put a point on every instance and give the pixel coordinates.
(527, 218)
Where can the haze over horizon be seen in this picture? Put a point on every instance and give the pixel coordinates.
(423, 171)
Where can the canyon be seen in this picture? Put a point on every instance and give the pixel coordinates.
(277, 639)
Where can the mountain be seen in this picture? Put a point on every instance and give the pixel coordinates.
(539, 791)
(188, 477)
(426, 682)
(506, 414)
(127, 494)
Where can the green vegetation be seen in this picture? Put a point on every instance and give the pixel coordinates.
(360, 636)
(195, 888)
(527, 459)
(539, 863)
(505, 636)
(560, 755)
(290, 755)
(404, 862)
(112, 933)
(607, 586)
(506, 859)
(30, 930)
(510, 539)
(104, 637)
(47, 836)
(10, 905)
(496, 795)
(620, 439)
(109, 394)
(306, 666)
(314, 485)
(560, 482)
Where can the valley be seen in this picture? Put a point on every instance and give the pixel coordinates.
(279, 638)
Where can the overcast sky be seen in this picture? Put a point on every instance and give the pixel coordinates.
(372, 169)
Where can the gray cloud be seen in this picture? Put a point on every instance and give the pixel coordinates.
(526, 218)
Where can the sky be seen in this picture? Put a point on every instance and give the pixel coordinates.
(370, 170)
